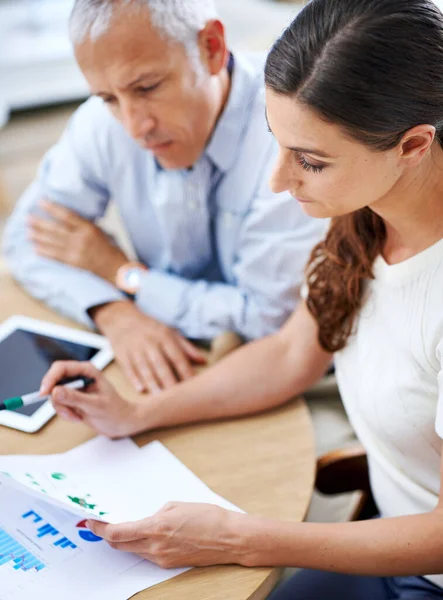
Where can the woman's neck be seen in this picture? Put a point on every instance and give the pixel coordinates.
(413, 210)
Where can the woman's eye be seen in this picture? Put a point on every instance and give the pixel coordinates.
(309, 166)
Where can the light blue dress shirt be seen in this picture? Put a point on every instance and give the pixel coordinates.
(224, 253)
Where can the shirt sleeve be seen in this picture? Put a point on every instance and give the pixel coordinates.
(72, 174)
(274, 244)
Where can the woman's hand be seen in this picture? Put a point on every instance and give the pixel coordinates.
(182, 535)
(99, 406)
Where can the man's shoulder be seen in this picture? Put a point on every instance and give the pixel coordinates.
(255, 59)
(251, 65)
(252, 81)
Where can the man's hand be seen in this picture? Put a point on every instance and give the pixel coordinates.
(152, 355)
(99, 406)
(70, 239)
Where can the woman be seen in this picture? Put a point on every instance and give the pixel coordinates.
(355, 100)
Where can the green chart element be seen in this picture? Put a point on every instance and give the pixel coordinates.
(58, 476)
(82, 502)
(35, 482)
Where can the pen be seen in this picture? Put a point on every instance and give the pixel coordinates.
(19, 401)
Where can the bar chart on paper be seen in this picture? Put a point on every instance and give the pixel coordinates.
(13, 554)
(29, 547)
(20, 567)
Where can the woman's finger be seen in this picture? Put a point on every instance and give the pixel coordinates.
(66, 369)
(118, 533)
(68, 414)
(136, 546)
(63, 397)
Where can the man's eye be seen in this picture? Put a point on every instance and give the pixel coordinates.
(109, 100)
(147, 89)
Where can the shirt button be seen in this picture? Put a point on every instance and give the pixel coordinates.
(192, 205)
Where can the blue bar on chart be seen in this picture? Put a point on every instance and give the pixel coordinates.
(46, 530)
(11, 551)
(65, 543)
(31, 513)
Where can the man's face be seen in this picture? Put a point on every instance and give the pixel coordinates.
(151, 86)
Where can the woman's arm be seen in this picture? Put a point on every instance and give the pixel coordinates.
(411, 545)
(256, 377)
(198, 535)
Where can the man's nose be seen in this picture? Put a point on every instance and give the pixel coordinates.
(137, 122)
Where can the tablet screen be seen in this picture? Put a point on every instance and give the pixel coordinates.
(26, 356)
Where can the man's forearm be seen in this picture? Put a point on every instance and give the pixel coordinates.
(410, 545)
(202, 309)
(104, 315)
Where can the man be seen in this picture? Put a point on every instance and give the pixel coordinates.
(175, 135)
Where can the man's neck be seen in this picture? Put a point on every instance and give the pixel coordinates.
(225, 89)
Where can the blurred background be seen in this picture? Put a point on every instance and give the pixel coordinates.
(40, 84)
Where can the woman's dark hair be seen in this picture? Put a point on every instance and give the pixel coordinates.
(374, 67)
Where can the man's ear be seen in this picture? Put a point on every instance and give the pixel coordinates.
(415, 144)
(213, 48)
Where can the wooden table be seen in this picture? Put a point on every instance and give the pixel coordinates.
(265, 464)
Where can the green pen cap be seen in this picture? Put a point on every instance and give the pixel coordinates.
(13, 403)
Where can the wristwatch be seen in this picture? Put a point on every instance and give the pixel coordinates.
(128, 277)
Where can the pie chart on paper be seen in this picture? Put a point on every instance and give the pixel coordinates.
(86, 534)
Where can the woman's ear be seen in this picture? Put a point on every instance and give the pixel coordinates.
(415, 144)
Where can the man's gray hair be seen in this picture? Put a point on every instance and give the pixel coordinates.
(177, 20)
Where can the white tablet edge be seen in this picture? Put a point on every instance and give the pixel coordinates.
(46, 411)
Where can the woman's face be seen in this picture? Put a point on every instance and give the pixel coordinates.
(328, 172)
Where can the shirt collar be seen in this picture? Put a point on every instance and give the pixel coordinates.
(223, 145)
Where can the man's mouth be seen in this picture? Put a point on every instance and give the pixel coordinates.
(156, 146)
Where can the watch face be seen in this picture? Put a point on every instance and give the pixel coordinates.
(129, 276)
(131, 280)
(132, 277)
